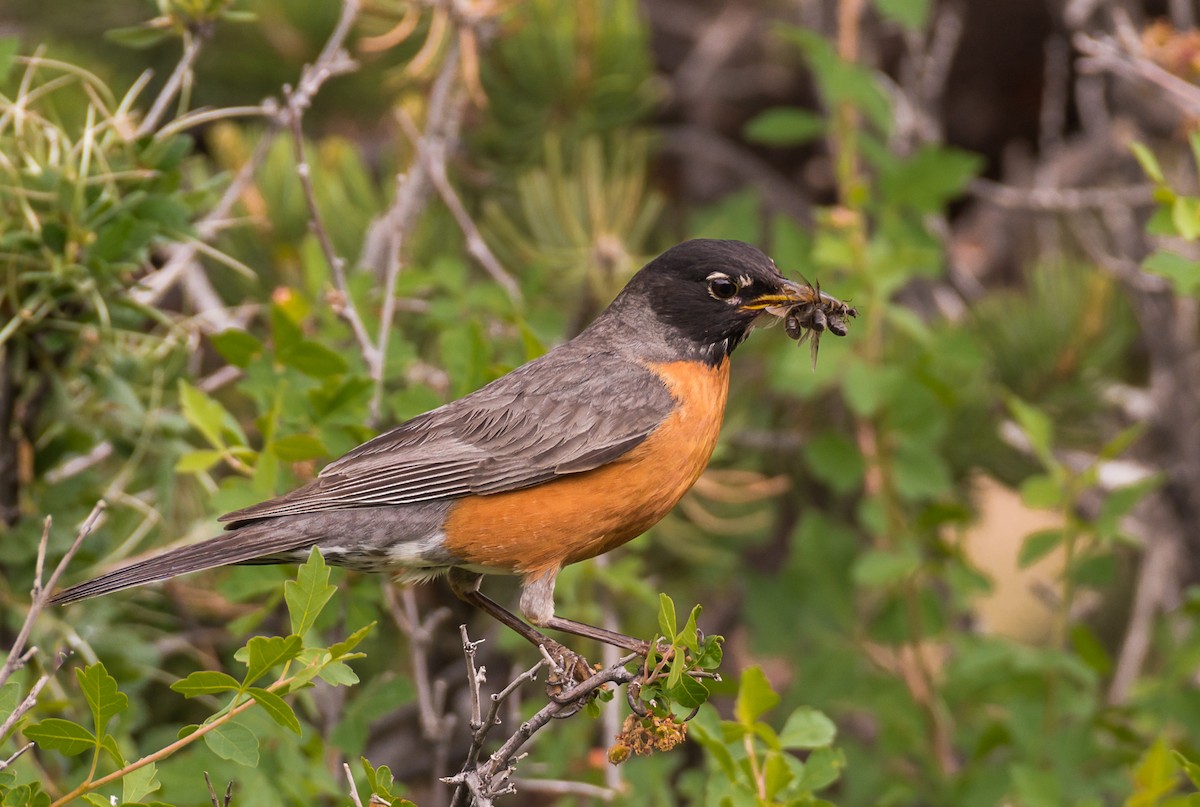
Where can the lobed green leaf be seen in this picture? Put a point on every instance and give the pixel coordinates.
(755, 696)
(265, 652)
(308, 594)
(278, 709)
(205, 682)
(61, 735)
(103, 697)
(234, 742)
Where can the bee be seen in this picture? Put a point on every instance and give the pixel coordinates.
(808, 320)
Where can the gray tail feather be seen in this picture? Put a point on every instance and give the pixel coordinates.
(238, 546)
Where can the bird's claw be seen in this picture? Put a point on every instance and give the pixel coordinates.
(567, 669)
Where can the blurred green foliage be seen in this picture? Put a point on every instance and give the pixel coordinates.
(854, 589)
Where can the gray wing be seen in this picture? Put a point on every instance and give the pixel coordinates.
(565, 413)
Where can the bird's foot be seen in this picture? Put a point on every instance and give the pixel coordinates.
(567, 669)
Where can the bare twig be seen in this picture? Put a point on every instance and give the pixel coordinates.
(353, 787)
(713, 150)
(1156, 578)
(16, 755)
(192, 41)
(337, 265)
(18, 656)
(610, 719)
(479, 783)
(1104, 53)
(432, 154)
(1061, 199)
(31, 699)
(212, 793)
(40, 594)
(477, 676)
(436, 725)
(333, 60)
(560, 787)
(431, 695)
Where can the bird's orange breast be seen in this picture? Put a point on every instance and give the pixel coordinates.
(583, 515)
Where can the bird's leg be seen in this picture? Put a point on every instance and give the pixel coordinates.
(611, 637)
(465, 586)
(537, 605)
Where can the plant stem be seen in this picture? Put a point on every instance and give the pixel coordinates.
(167, 751)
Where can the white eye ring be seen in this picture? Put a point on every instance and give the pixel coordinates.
(722, 287)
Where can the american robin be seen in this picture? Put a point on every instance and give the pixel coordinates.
(563, 459)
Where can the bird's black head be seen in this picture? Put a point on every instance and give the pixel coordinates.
(709, 292)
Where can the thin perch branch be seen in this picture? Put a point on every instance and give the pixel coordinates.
(192, 41)
(432, 155)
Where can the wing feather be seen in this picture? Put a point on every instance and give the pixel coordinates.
(521, 430)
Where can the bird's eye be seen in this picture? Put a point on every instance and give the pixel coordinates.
(722, 288)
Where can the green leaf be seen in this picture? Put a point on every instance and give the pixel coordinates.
(1037, 427)
(867, 387)
(9, 47)
(784, 126)
(690, 693)
(307, 595)
(755, 696)
(203, 413)
(930, 178)
(238, 15)
(807, 728)
(878, 568)
(276, 707)
(237, 347)
(284, 331)
(1183, 273)
(678, 665)
(705, 729)
(1148, 162)
(298, 448)
(380, 779)
(1042, 491)
(265, 652)
(1185, 215)
(205, 682)
(1090, 649)
(1190, 768)
(61, 735)
(1155, 775)
(666, 616)
(137, 37)
(1038, 545)
(25, 795)
(109, 744)
(841, 81)
(1119, 503)
(312, 359)
(1120, 444)
(10, 698)
(822, 768)
(1096, 571)
(234, 742)
(195, 462)
(121, 239)
(338, 674)
(139, 783)
(310, 661)
(835, 460)
(339, 649)
(687, 636)
(100, 690)
(776, 773)
(909, 13)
